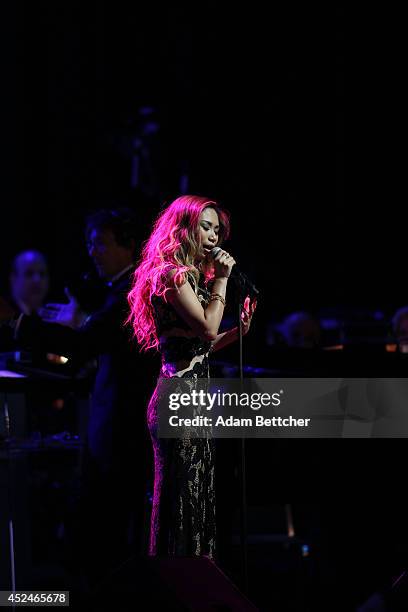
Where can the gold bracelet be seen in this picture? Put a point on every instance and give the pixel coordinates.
(217, 296)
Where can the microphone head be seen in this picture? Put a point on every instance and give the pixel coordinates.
(214, 252)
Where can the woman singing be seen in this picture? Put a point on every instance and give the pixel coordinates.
(177, 304)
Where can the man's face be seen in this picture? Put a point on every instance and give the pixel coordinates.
(109, 257)
(30, 280)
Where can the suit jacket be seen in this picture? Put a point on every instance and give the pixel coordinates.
(124, 377)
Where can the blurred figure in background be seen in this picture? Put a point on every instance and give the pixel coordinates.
(29, 286)
(301, 330)
(400, 328)
(29, 281)
(110, 525)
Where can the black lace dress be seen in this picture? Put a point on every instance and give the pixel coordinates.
(183, 510)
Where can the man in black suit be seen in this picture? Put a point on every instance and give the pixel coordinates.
(117, 453)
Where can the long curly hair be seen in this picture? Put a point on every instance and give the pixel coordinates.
(172, 245)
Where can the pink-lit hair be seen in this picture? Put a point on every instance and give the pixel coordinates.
(172, 245)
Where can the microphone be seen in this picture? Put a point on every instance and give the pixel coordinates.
(242, 282)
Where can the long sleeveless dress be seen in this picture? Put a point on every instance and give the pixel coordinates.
(183, 509)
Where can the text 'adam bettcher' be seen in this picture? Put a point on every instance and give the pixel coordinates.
(207, 400)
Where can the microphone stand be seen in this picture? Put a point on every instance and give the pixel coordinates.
(243, 288)
(242, 471)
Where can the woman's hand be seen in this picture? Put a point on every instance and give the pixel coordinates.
(223, 263)
(247, 314)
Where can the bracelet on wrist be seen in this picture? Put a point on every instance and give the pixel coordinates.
(217, 296)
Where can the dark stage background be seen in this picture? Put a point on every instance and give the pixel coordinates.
(262, 109)
(253, 107)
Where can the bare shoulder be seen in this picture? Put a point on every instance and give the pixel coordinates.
(174, 283)
(174, 278)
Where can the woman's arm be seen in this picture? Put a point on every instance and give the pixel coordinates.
(225, 338)
(205, 323)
